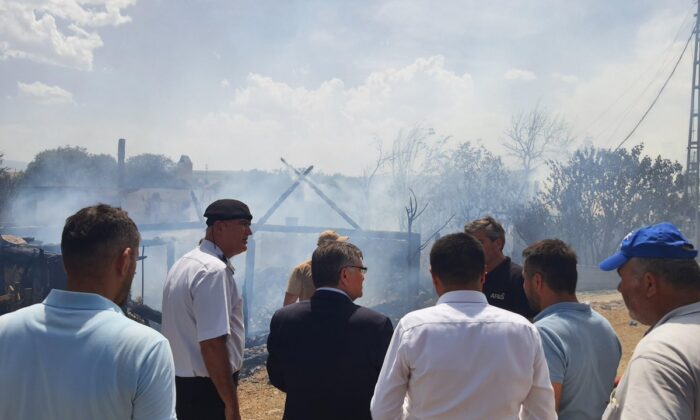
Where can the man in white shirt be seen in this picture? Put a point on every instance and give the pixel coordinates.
(463, 358)
(203, 317)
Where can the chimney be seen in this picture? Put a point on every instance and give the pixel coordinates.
(121, 152)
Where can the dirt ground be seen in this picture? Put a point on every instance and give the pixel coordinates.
(261, 401)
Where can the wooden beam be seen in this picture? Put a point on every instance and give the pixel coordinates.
(323, 196)
(284, 196)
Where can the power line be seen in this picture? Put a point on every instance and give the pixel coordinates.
(660, 91)
(666, 56)
(629, 108)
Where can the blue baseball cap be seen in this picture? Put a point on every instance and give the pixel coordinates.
(662, 240)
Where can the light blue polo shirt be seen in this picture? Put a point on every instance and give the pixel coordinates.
(76, 356)
(582, 354)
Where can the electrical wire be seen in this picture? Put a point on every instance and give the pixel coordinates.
(658, 94)
(636, 100)
(628, 109)
(666, 56)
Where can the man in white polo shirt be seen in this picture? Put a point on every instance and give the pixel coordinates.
(203, 316)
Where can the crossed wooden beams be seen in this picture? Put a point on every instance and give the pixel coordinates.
(301, 177)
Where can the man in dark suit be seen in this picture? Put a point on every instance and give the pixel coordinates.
(326, 353)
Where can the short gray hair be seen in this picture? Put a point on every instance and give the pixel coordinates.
(683, 274)
(327, 261)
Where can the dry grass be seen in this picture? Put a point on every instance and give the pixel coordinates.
(261, 401)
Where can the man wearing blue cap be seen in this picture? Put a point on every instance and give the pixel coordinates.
(660, 284)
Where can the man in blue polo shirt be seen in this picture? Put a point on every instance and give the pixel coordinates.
(580, 345)
(75, 355)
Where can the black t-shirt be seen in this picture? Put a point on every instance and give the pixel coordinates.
(504, 288)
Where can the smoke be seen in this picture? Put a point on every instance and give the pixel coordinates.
(429, 182)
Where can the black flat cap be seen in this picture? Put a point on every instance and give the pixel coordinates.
(227, 209)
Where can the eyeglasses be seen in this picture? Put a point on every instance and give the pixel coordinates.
(362, 269)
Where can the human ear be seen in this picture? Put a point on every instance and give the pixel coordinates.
(650, 283)
(437, 284)
(126, 262)
(537, 277)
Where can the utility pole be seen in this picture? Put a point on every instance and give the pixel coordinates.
(693, 165)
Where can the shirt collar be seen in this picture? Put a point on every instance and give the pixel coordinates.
(462, 296)
(680, 311)
(561, 306)
(333, 289)
(211, 248)
(79, 300)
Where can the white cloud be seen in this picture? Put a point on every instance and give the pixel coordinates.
(566, 78)
(44, 94)
(58, 32)
(224, 83)
(519, 74)
(606, 106)
(334, 124)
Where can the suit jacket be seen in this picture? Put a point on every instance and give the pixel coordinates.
(326, 354)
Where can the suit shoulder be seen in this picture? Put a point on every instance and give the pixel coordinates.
(293, 309)
(370, 314)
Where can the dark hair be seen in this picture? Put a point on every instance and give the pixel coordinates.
(683, 274)
(555, 261)
(488, 224)
(94, 236)
(328, 259)
(457, 259)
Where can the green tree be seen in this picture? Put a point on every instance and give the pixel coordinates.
(532, 221)
(469, 182)
(7, 189)
(598, 195)
(536, 136)
(151, 170)
(70, 166)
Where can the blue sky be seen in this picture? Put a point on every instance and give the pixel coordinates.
(237, 84)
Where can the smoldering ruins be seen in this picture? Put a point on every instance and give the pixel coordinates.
(424, 186)
(170, 221)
